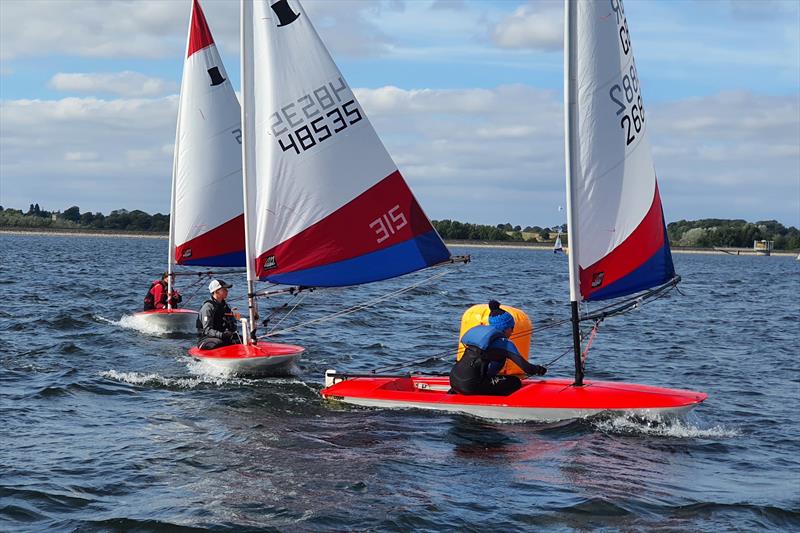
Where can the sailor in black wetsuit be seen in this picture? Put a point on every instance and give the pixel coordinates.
(487, 348)
(216, 326)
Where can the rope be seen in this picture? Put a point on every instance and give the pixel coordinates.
(356, 308)
(585, 353)
(287, 314)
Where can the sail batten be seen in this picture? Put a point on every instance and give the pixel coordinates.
(207, 212)
(326, 204)
(617, 232)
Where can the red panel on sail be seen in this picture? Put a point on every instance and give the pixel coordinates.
(632, 253)
(199, 34)
(384, 215)
(225, 239)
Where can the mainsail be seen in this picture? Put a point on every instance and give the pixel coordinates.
(617, 235)
(326, 205)
(207, 226)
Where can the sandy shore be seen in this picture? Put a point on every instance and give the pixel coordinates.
(542, 247)
(75, 233)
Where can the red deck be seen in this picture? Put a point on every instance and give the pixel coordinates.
(535, 393)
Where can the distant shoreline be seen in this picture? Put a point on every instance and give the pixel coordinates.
(542, 246)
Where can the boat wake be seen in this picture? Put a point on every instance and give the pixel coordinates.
(156, 380)
(660, 427)
(137, 323)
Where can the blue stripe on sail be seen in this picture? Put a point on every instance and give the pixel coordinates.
(408, 256)
(233, 259)
(655, 271)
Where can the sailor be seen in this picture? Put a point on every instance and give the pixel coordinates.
(487, 348)
(216, 325)
(156, 297)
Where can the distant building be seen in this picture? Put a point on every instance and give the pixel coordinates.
(763, 247)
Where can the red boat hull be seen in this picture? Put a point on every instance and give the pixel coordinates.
(539, 399)
(264, 358)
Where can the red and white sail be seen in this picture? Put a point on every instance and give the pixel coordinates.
(618, 242)
(207, 223)
(326, 205)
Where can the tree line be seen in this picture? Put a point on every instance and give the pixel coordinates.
(704, 233)
(72, 218)
(715, 232)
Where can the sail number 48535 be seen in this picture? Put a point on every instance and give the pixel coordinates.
(389, 223)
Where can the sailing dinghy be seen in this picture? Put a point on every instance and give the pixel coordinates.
(325, 205)
(618, 243)
(206, 223)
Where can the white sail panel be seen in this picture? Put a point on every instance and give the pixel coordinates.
(323, 189)
(617, 207)
(208, 210)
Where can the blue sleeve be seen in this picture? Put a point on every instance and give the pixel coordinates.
(513, 354)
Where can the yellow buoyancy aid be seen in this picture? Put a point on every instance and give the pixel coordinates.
(478, 315)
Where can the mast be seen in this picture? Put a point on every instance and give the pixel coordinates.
(570, 103)
(248, 126)
(176, 151)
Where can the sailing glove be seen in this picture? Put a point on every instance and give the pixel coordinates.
(539, 370)
(228, 336)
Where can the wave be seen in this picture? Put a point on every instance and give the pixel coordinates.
(158, 381)
(200, 379)
(661, 427)
(137, 323)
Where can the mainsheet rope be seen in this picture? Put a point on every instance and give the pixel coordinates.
(355, 308)
(617, 308)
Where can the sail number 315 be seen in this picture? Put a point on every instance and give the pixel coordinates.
(389, 223)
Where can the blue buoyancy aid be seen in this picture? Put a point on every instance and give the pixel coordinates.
(486, 337)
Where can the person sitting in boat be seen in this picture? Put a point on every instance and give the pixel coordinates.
(487, 348)
(216, 326)
(156, 297)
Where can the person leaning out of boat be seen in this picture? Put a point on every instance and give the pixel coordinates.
(156, 297)
(487, 348)
(216, 325)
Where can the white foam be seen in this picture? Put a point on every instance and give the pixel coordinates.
(668, 427)
(155, 379)
(137, 323)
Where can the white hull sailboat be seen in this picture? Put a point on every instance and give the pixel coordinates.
(207, 221)
(617, 240)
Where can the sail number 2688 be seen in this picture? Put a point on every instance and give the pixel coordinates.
(627, 94)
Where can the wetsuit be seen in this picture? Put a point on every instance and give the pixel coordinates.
(216, 326)
(486, 352)
(157, 296)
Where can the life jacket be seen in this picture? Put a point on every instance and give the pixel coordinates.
(221, 318)
(471, 369)
(149, 298)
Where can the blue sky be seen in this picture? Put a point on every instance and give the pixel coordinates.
(466, 96)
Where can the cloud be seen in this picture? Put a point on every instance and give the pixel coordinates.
(126, 83)
(157, 28)
(91, 28)
(479, 155)
(537, 26)
(97, 154)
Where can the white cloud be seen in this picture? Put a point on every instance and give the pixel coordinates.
(537, 25)
(157, 28)
(97, 154)
(478, 155)
(81, 156)
(126, 83)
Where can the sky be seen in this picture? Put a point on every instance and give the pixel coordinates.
(466, 95)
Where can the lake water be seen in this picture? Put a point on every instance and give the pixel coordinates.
(105, 427)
